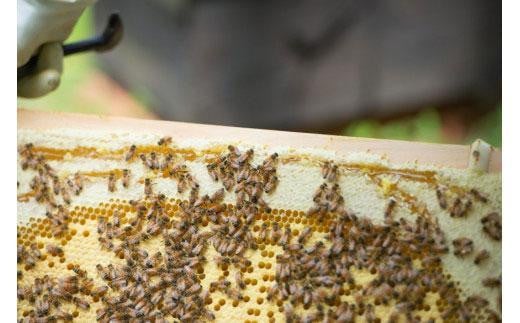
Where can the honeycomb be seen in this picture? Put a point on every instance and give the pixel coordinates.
(142, 228)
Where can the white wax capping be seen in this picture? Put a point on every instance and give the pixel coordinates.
(480, 153)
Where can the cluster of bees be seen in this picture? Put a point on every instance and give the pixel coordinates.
(314, 274)
(311, 275)
(113, 177)
(47, 185)
(147, 280)
(48, 295)
(459, 208)
(492, 226)
(28, 256)
(177, 286)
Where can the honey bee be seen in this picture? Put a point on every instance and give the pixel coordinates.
(148, 187)
(78, 183)
(65, 195)
(54, 250)
(262, 235)
(233, 151)
(58, 230)
(370, 316)
(329, 171)
(477, 301)
(153, 228)
(212, 171)
(68, 284)
(99, 291)
(218, 196)
(481, 256)
(441, 197)
(116, 222)
(306, 233)
(130, 153)
(272, 292)
(394, 318)
(102, 225)
(182, 184)
(165, 164)
(194, 289)
(290, 316)
(126, 178)
(208, 315)
(270, 162)
(105, 243)
(228, 183)
(250, 217)
(245, 156)
(389, 209)
(271, 184)
(153, 163)
(78, 271)
(459, 209)
(191, 181)
(316, 209)
(345, 313)
(275, 232)
(26, 150)
(84, 305)
(159, 317)
(62, 315)
(56, 185)
(135, 239)
(144, 160)
(286, 237)
(463, 246)
(492, 225)
(478, 196)
(492, 282)
(194, 194)
(239, 279)
(112, 182)
(220, 260)
(164, 141)
(338, 245)
(42, 306)
(35, 251)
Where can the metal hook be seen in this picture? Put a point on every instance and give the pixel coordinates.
(109, 39)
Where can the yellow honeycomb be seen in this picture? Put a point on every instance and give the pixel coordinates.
(339, 240)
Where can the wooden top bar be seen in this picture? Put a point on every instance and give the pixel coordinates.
(456, 156)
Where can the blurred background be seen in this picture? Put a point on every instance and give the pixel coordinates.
(397, 69)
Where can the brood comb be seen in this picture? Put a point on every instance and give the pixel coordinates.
(118, 226)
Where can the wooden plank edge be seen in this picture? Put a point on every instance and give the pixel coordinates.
(397, 151)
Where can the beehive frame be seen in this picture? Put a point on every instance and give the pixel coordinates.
(305, 154)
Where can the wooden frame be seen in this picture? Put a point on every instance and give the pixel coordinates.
(456, 156)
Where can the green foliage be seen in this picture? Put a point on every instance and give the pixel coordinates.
(362, 128)
(488, 128)
(425, 126)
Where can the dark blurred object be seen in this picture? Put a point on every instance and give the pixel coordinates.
(303, 65)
